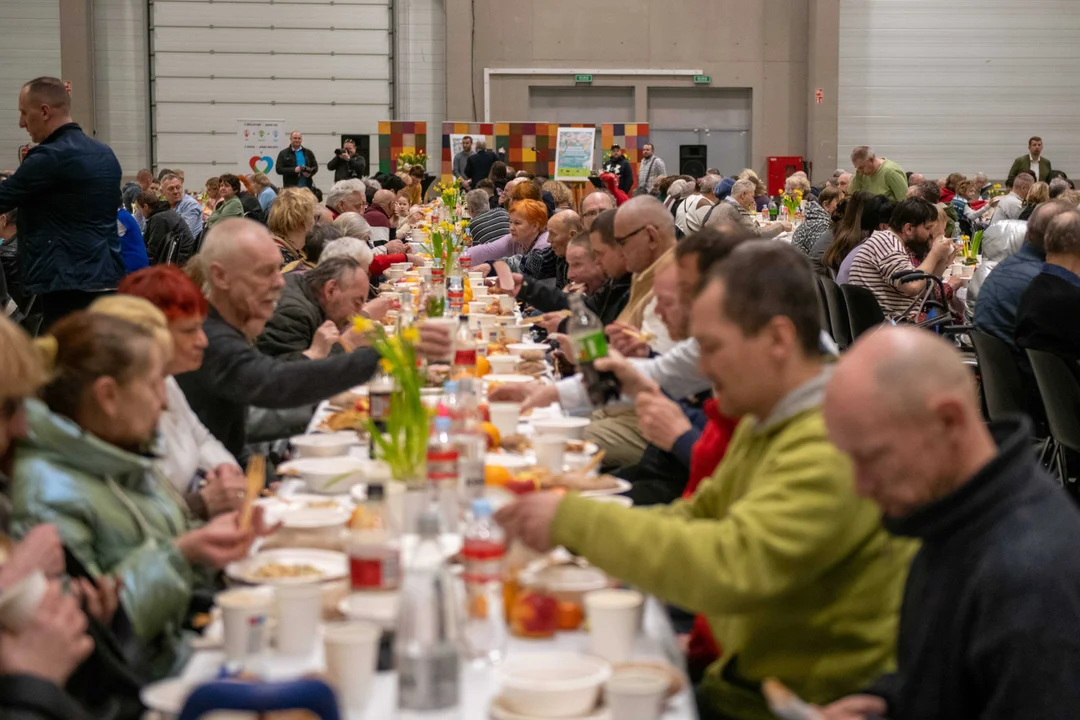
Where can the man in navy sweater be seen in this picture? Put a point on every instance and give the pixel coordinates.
(990, 622)
(67, 191)
(1046, 316)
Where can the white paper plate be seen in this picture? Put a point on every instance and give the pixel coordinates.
(509, 379)
(621, 487)
(333, 565)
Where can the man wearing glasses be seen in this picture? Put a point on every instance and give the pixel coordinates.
(592, 205)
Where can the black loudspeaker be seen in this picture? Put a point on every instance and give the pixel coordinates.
(693, 160)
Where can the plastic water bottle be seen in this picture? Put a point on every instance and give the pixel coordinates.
(464, 363)
(426, 646)
(470, 440)
(484, 549)
(442, 472)
(374, 545)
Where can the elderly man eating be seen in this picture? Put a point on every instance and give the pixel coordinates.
(793, 570)
(241, 264)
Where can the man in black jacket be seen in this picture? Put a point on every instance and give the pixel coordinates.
(1046, 316)
(618, 166)
(168, 237)
(242, 265)
(325, 299)
(67, 191)
(990, 622)
(478, 166)
(296, 164)
(346, 164)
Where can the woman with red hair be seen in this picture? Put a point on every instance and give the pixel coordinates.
(528, 237)
(194, 461)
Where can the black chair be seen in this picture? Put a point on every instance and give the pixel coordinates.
(1002, 385)
(1060, 391)
(863, 310)
(838, 312)
(823, 312)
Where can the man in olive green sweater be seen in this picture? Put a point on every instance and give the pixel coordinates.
(793, 571)
(878, 176)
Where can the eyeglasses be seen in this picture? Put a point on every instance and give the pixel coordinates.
(593, 213)
(622, 240)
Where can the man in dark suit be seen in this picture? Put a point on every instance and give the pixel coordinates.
(1033, 161)
(478, 166)
(296, 164)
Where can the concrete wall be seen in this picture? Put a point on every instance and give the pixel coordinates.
(763, 45)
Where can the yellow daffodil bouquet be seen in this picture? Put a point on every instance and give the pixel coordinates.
(405, 161)
(404, 444)
(445, 239)
(971, 248)
(792, 202)
(996, 190)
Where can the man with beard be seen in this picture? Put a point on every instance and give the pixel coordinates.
(889, 251)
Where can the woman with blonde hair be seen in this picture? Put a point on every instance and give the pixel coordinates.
(761, 193)
(560, 193)
(1037, 195)
(291, 218)
(264, 190)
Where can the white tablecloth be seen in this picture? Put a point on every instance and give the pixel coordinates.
(656, 642)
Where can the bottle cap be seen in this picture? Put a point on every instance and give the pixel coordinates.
(375, 491)
(442, 423)
(463, 318)
(428, 524)
(481, 507)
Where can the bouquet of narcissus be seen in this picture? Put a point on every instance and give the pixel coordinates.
(444, 240)
(407, 160)
(792, 202)
(972, 247)
(404, 444)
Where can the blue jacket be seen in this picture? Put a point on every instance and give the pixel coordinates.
(67, 191)
(999, 298)
(132, 245)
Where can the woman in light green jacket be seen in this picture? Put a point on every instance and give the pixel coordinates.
(87, 468)
(229, 205)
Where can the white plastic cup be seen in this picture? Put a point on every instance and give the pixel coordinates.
(550, 452)
(351, 651)
(19, 602)
(244, 613)
(613, 622)
(505, 416)
(507, 303)
(480, 291)
(474, 275)
(477, 307)
(298, 611)
(634, 694)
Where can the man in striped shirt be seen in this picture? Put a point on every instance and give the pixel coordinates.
(889, 251)
(487, 224)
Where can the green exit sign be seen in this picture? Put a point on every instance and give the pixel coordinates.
(702, 79)
(583, 78)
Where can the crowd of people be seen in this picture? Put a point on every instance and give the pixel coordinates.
(850, 525)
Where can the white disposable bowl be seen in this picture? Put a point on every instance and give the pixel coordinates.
(323, 445)
(478, 307)
(552, 685)
(319, 472)
(518, 348)
(569, 428)
(515, 332)
(504, 364)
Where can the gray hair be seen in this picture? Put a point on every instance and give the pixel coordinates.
(373, 184)
(353, 224)
(861, 153)
(1058, 187)
(709, 183)
(680, 189)
(980, 178)
(478, 202)
(481, 143)
(581, 240)
(336, 268)
(342, 189)
(743, 186)
(354, 248)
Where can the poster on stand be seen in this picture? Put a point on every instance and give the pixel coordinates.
(260, 142)
(574, 148)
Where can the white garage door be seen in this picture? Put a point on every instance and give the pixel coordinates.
(31, 48)
(321, 66)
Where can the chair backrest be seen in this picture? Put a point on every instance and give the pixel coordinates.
(838, 312)
(863, 310)
(312, 695)
(1002, 384)
(823, 311)
(1060, 391)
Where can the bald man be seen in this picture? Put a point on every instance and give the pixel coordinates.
(990, 625)
(593, 204)
(241, 264)
(645, 231)
(378, 216)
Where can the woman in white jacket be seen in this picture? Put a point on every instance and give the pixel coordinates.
(192, 460)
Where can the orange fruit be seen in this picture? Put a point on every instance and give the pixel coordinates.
(496, 475)
(570, 615)
(493, 437)
(468, 291)
(483, 366)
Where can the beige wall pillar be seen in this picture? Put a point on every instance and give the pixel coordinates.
(77, 59)
(823, 71)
